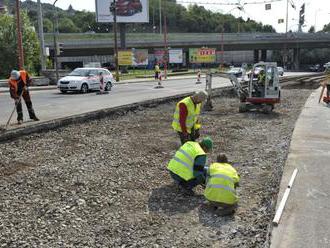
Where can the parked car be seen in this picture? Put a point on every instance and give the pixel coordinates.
(316, 68)
(85, 80)
(280, 71)
(326, 65)
(237, 71)
(128, 7)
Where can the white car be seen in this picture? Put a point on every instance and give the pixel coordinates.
(86, 79)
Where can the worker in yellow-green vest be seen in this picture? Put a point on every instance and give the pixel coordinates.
(187, 166)
(221, 182)
(186, 117)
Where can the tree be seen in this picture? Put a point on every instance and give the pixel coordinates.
(8, 44)
(48, 25)
(326, 28)
(66, 25)
(311, 29)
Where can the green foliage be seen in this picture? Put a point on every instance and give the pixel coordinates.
(8, 45)
(194, 19)
(66, 25)
(311, 29)
(48, 25)
(326, 28)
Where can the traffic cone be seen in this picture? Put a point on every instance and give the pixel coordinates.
(199, 73)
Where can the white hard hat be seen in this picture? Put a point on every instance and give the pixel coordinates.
(14, 75)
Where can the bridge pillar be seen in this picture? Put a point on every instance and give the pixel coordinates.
(264, 55)
(296, 59)
(122, 32)
(256, 56)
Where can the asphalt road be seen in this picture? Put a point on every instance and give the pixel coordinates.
(51, 104)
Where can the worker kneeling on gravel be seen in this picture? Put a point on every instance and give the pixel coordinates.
(187, 165)
(220, 191)
(186, 117)
(19, 83)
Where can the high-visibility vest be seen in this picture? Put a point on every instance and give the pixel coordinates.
(192, 117)
(221, 181)
(13, 83)
(182, 164)
(262, 77)
(157, 68)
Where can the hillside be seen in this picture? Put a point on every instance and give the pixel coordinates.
(180, 19)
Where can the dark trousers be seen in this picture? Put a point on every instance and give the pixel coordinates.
(190, 137)
(28, 102)
(190, 184)
(328, 90)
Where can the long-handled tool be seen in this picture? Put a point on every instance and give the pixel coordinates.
(12, 113)
(322, 91)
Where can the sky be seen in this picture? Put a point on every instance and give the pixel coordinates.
(316, 11)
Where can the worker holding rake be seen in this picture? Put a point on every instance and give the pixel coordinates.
(19, 82)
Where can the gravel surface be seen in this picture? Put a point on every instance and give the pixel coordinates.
(104, 183)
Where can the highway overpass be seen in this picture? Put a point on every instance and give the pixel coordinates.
(76, 45)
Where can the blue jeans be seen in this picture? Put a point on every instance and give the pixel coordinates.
(190, 184)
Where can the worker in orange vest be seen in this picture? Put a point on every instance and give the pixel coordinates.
(19, 82)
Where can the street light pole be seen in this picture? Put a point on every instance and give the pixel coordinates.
(41, 37)
(113, 9)
(55, 30)
(19, 37)
(166, 55)
(286, 36)
(160, 16)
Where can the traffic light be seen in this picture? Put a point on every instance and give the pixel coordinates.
(302, 15)
(59, 48)
(113, 6)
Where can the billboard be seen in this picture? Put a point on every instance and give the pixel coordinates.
(176, 56)
(134, 57)
(128, 11)
(160, 55)
(140, 57)
(125, 57)
(202, 55)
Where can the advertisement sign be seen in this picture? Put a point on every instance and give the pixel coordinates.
(159, 55)
(176, 56)
(128, 11)
(202, 55)
(140, 57)
(125, 57)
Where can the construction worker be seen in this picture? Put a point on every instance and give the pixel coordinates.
(187, 166)
(327, 80)
(186, 117)
(222, 180)
(157, 71)
(18, 85)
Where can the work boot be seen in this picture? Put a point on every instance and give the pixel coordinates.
(19, 122)
(35, 118)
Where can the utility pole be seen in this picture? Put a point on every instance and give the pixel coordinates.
(41, 37)
(19, 37)
(55, 20)
(113, 10)
(166, 55)
(160, 17)
(285, 55)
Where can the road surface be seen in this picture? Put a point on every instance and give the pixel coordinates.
(51, 104)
